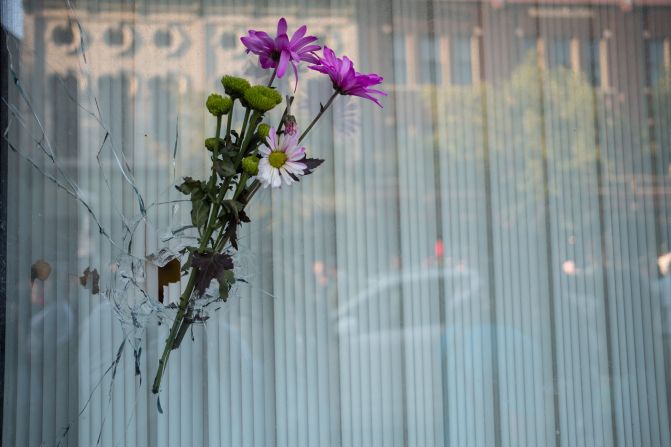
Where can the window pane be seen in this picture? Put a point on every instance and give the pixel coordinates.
(485, 260)
(460, 63)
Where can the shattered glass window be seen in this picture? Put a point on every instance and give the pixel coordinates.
(486, 260)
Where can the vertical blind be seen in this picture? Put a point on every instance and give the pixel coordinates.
(486, 261)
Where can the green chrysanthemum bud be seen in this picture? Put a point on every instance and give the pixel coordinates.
(210, 142)
(235, 87)
(262, 98)
(263, 131)
(218, 105)
(250, 165)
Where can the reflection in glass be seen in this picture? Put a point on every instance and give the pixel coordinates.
(483, 263)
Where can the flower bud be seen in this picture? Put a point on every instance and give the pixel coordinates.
(234, 87)
(210, 143)
(290, 125)
(218, 105)
(262, 98)
(263, 131)
(250, 165)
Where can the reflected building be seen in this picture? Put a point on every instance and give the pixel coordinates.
(475, 265)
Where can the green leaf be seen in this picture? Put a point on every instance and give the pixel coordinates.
(199, 194)
(199, 213)
(225, 167)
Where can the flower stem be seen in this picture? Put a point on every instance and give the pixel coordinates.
(181, 311)
(241, 184)
(213, 178)
(182, 320)
(244, 197)
(186, 296)
(319, 115)
(255, 186)
(215, 155)
(230, 120)
(244, 122)
(284, 114)
(256, 117)
(272, 77)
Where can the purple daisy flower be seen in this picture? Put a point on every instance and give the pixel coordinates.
(346, 80)
(281, 51)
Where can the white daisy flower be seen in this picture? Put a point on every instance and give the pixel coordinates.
(280, 160)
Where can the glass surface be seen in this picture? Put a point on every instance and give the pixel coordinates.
(485, 261)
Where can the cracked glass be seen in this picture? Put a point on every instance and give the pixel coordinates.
(483, 261)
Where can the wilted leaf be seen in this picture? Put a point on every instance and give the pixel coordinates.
(91, 280)
(232, 216)
(189, 185)
(226, 280)
(232, 208)
(210, 266)
(312, 164)
(231, 233)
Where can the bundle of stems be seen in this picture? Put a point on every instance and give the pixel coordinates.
(218, 204)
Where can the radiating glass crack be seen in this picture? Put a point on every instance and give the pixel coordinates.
(118, 278)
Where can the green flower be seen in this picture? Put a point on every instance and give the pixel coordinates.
(263, 131)
(262, 98)
(218, 105)
(234, 87)
(251, 165)
(210, 142)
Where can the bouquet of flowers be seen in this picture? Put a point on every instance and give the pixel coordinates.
(258, 155)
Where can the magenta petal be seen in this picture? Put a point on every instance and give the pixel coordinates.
(282, 66)
(300, 43)
(375, 100)
(263, 37)
(311, 58)
(300, 32)
(310, 49)
(379, 92)
(329, 55)
(267, 62)
(319, 68)
(345, 79)
(252, 44)
(282, 26)
(282, 43)
(345, 67)
(245, 41)
(280, 51)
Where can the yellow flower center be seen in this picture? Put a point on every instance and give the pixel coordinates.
(277, 159)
